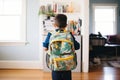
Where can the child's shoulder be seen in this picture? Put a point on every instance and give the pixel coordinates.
(49, 34)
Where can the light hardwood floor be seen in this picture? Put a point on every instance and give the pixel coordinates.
(96, 73)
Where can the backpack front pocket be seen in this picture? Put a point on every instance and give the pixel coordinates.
(66, 63)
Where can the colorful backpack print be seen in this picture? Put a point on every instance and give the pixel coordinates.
(61, 55)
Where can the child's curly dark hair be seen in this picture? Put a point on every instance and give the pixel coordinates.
(61, 20)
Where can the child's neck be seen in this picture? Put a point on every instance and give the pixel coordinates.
(61, 28)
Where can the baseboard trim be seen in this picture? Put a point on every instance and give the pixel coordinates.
(20, 65)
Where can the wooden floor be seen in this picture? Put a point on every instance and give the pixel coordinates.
(96, 73)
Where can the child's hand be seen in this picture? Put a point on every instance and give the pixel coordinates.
(45, 49)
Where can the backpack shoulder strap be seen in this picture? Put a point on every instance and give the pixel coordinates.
(51, 32)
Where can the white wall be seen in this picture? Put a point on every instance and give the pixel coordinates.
(85, 35)
(29, 52)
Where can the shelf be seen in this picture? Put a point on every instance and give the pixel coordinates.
(69, 13)
(60, 6)
(59, 0)
(71, 8)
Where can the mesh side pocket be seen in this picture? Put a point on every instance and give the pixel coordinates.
(47, 60)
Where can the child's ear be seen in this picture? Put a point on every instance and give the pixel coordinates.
(55, 25)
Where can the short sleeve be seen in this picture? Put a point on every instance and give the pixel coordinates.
(46, 42)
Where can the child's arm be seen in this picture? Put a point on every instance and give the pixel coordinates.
(76, 43)
(46, 42)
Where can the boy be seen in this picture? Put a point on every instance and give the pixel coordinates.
(60, 23)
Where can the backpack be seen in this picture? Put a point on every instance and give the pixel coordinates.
(61, 54)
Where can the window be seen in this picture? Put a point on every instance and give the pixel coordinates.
(12, 20)
(105, 19)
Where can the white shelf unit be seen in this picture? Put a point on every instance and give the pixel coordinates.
(71, 16)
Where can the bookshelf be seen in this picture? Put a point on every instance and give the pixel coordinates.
(73, 13)
(49, 8)
(59, 6)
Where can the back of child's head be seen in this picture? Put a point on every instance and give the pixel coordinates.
(61, 20)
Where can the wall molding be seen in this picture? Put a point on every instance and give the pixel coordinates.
(20, 64)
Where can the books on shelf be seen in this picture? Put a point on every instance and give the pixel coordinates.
(57, 7)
